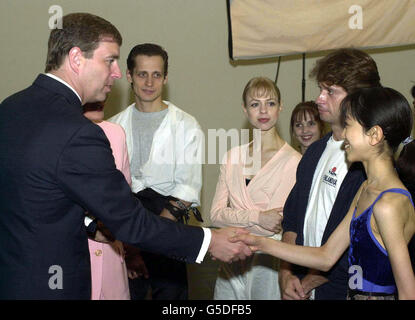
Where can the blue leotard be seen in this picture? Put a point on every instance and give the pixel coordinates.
(367, 253)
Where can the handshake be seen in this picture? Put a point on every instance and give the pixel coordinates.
(233, 244)
(226, 246)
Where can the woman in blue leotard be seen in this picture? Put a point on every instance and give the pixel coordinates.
(381, 219)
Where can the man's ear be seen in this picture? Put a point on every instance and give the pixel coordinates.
(165, 79)
(375, 135)
(128, 75)
(75, 59)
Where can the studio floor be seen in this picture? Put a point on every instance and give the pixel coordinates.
(201, 279)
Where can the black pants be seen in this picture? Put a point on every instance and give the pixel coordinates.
(168, 277)
(167, 281)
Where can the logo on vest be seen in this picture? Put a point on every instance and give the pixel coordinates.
(331, 178)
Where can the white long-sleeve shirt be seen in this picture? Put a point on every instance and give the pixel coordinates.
(174, 166)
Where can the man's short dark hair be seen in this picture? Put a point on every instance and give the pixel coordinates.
(147, 49)
(350, 69)
(81, 30)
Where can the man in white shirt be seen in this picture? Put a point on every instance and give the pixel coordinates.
(165, 148)
(326, 183)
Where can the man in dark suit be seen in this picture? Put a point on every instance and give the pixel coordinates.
(55, 164)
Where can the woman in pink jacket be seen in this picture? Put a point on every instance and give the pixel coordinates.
(255, 180)
(108, 269)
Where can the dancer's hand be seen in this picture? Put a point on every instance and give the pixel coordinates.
(271, 219)
(221, 248)
(253, 242)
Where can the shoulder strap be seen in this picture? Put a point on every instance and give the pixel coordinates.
(396, 190)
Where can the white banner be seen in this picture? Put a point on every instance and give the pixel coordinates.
(267, 28)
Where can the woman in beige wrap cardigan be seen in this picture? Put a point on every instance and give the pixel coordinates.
(255, 180)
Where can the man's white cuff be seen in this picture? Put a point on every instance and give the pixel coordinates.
(205, 245)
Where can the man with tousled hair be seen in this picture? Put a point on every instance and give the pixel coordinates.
(326, 183)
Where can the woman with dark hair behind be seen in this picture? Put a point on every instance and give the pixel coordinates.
(406, 165)
(108, 268)
(306, 126)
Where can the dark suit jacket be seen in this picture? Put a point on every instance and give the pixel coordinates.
(54, 165)
(296, 205)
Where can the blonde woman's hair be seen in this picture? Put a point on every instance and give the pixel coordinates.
(260, 87)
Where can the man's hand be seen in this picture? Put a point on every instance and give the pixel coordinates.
(312, 280)
(271, 219)
(290, 285)
(221, 248)
(291, 288)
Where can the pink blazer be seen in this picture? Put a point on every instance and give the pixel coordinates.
(108, 269)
